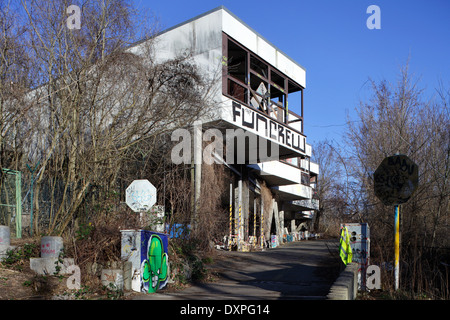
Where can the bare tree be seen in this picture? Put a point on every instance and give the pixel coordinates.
(14, 82)
(101, 94)
(329, 191)
(398, 120)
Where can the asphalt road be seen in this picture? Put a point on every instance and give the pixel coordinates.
(296, 270)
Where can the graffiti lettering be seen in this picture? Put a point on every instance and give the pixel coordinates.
(246, 118)
(395, 179)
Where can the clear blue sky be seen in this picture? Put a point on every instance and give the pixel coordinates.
(329, 38)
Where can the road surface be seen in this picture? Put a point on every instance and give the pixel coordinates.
(296, 270)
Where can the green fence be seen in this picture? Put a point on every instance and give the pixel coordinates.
(11, 201)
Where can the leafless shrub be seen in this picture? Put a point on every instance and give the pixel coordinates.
(398, 120)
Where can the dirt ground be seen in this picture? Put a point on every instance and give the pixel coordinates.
(19, 282)
(27, 285)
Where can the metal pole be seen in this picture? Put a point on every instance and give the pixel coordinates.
(231, 215)
(18, 204)
(240, 206)
(397, 245)
(31, 194)
(262, 222)
(254, 219)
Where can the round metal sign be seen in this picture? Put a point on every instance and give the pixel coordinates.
(140, 195)
(395, 179)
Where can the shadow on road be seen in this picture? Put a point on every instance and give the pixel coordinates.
(296, 270)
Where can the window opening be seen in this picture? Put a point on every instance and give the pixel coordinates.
(237, 91)
(256, 83)
(277, 103)
(277, 80)
(259, 67)
(237, 62)
(295, 98)
(259, 92)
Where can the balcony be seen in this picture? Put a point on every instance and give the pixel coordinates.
(293, 192)
(277, 173)
(308, 150)
(310, 204)
(313, 168)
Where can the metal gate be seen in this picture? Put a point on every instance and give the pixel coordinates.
(11, 201)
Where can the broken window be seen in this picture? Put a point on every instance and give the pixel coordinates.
(277, 103)
(295, 98)
(259, 67)
(237, 91)
(295, 106)
(237, 62)
(259, 92)
(252, 81)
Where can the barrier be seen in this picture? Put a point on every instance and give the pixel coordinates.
(346, 285)
(5, 241)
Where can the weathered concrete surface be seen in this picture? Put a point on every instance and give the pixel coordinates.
(346, 285)
(296, 270)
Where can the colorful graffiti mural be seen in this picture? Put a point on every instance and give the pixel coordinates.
(148, 253)
(154, 265)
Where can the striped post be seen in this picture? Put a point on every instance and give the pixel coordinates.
(231, 216)
(240, 213)
(397, 246)
(262, 222)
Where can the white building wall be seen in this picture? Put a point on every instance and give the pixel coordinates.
(256, 43)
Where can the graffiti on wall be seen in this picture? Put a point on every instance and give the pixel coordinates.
(154, 265)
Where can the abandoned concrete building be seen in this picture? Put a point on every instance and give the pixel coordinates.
(260, 91)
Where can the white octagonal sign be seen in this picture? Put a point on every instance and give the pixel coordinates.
(140, 195)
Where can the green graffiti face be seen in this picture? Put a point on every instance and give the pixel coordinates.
(154, 269)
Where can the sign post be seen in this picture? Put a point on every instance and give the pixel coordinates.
(397, 246)
(395, 180)
(140, 196)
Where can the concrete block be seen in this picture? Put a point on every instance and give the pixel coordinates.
(127, 275)
(4, 250)
(112, 277)
(5, 236)
(51, 247)
(74, 281)
(47, 266)
(346, 285)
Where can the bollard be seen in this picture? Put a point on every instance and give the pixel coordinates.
(51, 247)
(5, 236)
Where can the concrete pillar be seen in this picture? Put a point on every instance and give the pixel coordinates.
(293, 228)
(281, 218)
(277, 221)
(269, 221)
